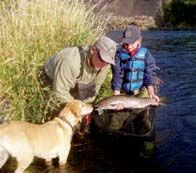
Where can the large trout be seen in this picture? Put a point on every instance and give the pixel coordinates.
(128, 102)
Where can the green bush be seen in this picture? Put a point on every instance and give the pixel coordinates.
(30, 32)
(181, 13)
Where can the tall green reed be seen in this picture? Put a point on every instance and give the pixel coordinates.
(30, 32)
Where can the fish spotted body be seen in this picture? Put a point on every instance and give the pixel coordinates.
(128, 102)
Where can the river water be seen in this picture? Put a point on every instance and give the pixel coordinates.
(175, 54)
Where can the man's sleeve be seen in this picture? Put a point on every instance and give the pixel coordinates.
(149, 71)
(65, 77)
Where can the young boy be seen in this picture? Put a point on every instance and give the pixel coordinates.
(134, 67)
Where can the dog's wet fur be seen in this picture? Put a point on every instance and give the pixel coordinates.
(50, 140)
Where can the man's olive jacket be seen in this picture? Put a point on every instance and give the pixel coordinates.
(69, 67)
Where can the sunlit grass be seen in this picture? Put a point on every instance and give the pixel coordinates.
(30, 32)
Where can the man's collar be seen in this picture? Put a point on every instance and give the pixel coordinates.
(85, 53)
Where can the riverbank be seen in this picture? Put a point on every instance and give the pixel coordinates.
(144, 23)
(154, 14)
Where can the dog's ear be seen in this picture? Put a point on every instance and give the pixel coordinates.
(75, 106)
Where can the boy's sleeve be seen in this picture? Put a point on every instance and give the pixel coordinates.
(149, 72)
(116, 82)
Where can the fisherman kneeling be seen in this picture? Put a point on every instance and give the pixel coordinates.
(133, 72)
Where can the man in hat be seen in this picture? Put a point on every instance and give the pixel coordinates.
(134, 67)
(79, 72)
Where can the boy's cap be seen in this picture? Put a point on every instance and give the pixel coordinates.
(107, 49)
(131, 34)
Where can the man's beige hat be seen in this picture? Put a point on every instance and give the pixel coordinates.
(107, 49)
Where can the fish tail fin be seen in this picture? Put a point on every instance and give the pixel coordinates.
(163, 101)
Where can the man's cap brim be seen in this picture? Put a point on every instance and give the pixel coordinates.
(106, 57)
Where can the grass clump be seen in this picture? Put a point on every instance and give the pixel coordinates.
(30, 32)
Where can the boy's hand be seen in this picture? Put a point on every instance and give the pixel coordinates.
(155, 97)
(152, 94)
(116, 92)
(119, 106)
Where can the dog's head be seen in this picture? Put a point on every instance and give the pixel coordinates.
(75, 110)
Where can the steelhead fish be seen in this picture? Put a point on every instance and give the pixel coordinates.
(128, 102)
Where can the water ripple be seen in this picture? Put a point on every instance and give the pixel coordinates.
(175, 53)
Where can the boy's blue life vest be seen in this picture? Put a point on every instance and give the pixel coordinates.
(133, 69)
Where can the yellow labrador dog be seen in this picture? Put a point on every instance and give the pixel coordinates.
(24, 140)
